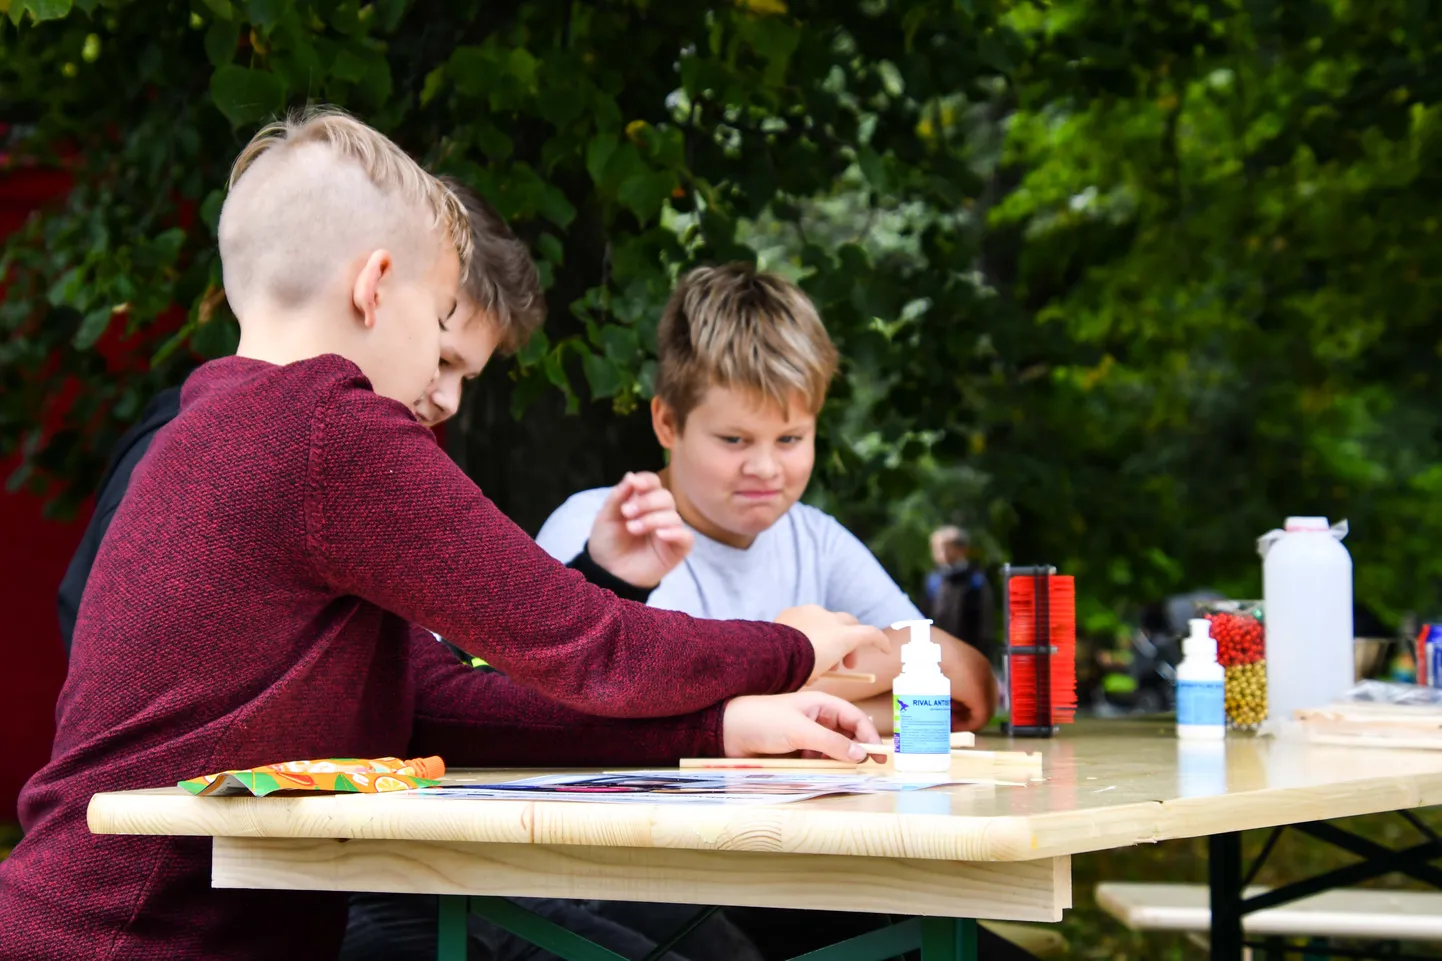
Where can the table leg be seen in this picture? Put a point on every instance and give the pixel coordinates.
(948, 939)
(451, 940)
(1224, 871)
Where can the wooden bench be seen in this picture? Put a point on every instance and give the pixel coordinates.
(1041, 943)
(1349, 913)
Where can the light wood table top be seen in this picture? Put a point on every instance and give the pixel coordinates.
(1106, 785)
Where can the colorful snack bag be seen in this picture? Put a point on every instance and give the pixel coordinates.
(344, 775)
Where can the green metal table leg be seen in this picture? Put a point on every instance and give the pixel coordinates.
(451, 940)
(878, 945)
(542, 932)
(948, 939)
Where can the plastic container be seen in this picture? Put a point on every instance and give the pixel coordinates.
(921, 704)
(1201, 711)
(1307, 584)
(1240, 632)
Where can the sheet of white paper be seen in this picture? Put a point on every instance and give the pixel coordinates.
(686, 787)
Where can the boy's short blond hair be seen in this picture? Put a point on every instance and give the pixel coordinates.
(501, 278)
(739, 328)
(292, 208)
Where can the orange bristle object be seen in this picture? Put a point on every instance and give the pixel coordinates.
(1040, 612)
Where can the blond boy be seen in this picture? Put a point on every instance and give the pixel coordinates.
(743, 367)
(261, 592)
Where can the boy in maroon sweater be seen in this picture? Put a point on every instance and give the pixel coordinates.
(256, 595)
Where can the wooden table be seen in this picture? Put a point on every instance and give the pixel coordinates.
(969, 852)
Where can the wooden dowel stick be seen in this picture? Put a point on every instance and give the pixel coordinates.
(847, 676)
(751, 763)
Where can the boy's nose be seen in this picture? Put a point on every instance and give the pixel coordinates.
(445, 400)
(761, 464)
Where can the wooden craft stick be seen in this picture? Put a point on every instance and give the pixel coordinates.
(848, 676)
(751, 763)
(888, 748)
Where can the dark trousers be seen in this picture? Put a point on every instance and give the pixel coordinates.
(402, 927)
(782, 933)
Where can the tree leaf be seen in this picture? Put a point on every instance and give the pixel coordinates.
(534, 349)
(620, 343)
(551, 248)
(217, 337)
(602, 376)
(210, 209)
(42, 10)
(66, 288)
(265, 13)
(556, 208)
(92, 327)
(598, 155)
(645, 193)
(244, 95)
(435, 81)
(221, 39)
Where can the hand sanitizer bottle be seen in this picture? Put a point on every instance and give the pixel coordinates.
(921, 704)
(1201, 682)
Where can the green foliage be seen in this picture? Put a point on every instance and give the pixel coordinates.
(1117, 285)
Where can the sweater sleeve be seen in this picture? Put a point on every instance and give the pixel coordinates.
(391, 519)
(483, 719)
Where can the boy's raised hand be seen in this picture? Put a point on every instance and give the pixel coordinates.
(638, 536)
(808, 721)
(835, 637)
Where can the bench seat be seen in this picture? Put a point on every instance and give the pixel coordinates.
(1347, 913)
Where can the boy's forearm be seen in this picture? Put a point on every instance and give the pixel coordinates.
(476, 718)
(973, 685)
(391, 519)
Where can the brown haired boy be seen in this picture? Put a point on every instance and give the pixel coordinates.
(255, 597)
(743, 367)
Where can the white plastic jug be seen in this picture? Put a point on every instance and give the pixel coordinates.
(1307, 587)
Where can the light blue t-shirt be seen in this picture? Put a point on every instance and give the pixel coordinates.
(806, 557)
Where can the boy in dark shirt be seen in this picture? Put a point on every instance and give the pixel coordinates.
(257, 596)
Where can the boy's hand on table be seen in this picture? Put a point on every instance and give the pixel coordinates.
(973, 686)
(808, 721)
(638, 536)
(836, 637)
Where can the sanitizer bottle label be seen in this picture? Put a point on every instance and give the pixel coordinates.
(922, 723)
(1201, 702)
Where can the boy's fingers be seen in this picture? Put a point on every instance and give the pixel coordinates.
(843, 716)
(867, 636)
(674, 535)
(653, 522)
(808, 735)
(645, 481)
(861, 636)
(618, 495)
(645, 502)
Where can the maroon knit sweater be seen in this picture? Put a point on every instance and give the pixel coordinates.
(253, 602)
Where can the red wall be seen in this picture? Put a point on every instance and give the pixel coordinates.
(33, 555)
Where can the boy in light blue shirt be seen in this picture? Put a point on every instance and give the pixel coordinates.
(743, 367)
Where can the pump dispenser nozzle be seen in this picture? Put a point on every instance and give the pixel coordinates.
(919, 650)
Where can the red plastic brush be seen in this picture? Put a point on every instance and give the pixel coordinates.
(1040, 626)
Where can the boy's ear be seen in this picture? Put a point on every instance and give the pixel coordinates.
(366, 293)
(663, 422)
